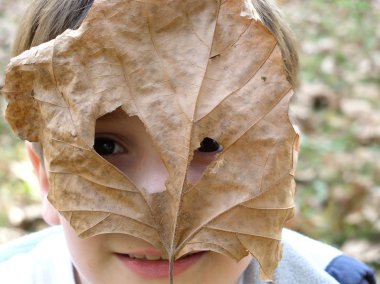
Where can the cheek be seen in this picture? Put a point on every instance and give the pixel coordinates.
(221, 269)
(88, 255)
(230, 267)
(198, 165)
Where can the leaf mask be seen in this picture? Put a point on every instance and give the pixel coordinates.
(188, 70)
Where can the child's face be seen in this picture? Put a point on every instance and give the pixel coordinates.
(123, 141)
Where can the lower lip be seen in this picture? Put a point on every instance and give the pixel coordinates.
(158, 268)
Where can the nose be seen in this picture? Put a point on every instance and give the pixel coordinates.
(153, 173)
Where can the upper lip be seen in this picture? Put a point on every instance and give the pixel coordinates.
(144, 251)
(151, 252)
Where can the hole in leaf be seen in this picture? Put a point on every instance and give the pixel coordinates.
(122, 141)
(203, 156)
(209, 145)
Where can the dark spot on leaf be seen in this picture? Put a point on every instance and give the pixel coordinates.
(215, 56)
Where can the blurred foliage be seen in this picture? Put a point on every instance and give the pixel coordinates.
(17, 186)
(337, 109)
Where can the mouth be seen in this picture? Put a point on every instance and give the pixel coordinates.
(157, 266)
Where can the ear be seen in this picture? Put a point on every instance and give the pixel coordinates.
(49, 213)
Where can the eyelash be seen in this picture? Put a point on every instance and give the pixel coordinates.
(105, 146)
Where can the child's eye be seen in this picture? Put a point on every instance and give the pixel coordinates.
(209, 145)
(107, 146)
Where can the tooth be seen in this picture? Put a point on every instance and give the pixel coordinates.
(153, 257)
(137, 256)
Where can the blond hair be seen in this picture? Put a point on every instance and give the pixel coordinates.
(44, 20)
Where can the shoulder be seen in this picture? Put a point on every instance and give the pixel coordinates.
(27, 243)
(311, 261)
(305, 260)
(40, 257)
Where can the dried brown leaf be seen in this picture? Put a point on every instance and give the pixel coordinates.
(188, 70)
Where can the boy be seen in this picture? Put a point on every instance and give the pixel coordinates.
(124, 107)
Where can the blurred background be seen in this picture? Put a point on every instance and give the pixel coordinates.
(337, 107)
